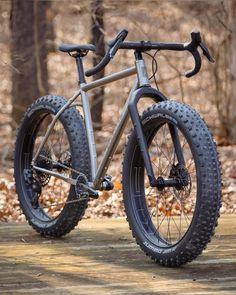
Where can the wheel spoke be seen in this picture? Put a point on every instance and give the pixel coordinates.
(54, 190)
(172, 207)
(161, 219)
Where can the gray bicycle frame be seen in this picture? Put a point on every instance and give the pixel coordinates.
(98, 174)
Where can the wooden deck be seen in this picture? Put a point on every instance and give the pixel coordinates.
(100, 257)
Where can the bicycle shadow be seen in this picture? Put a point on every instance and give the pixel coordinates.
(108, 259)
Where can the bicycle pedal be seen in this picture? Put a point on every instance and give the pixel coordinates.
(107, 183)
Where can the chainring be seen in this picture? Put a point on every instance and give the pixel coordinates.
(81, 184)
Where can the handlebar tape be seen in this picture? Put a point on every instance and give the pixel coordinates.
(197, 67)
(113, 46)
(105, 60)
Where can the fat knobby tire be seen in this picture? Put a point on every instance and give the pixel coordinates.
(75, 130)
(207, 164)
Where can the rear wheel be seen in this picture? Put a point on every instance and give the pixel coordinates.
(173, 224)
(50, 204)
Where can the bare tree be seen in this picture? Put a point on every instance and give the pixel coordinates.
(224, 73)
(232, 110)
(28, 53)
(98, 40)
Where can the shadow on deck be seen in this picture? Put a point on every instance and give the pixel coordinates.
(100, 257)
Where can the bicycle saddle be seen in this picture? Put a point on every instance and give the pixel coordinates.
(76, 47)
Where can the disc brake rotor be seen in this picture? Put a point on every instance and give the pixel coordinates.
(181, 173)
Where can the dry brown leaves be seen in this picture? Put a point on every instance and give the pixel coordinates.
(110, 204)
(9, 205)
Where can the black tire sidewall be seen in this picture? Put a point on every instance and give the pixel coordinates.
(69, 117)
(187, 242)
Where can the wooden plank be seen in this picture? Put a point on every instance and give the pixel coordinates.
(101, 257)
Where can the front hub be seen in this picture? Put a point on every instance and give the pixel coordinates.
(181, 173)
(179, 178)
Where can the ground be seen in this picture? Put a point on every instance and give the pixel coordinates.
(100, 257)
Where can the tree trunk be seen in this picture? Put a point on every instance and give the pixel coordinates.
(232, 109)
(28, 53)
(50, 33)
(98, 41)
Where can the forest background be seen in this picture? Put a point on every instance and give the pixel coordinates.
(212, 92)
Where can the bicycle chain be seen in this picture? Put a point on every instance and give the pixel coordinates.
(80, 187)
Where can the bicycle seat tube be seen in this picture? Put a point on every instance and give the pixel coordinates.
(98, 175)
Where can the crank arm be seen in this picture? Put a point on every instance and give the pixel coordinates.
(92, 193)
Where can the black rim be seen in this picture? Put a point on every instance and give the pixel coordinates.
(164, 216)
(45, 195)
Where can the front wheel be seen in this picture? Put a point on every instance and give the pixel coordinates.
(172, 225)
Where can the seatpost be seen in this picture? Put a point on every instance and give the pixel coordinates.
(80, 68)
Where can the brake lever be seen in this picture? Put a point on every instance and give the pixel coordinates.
(206, 52)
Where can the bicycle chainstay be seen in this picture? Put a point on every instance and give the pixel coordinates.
(83, 192)
(82, 189)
